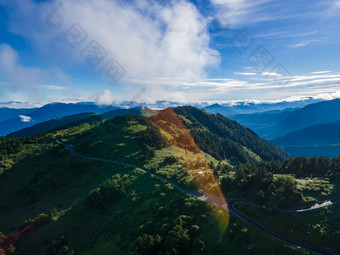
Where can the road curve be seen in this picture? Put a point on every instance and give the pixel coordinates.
(315, 206)
(233, 210)
(231, 202)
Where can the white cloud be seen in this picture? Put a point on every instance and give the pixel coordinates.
(321, 72)
(13, 71)
(328, 96)
(20, 105)
(270, 86)
(271, 74)
(333, 8)
(50, 87)
(22, 81)
(286, 34)
(299, 45)
(105, 98)
(25, 118)
(269, 80)
(246, 74)
(241, 13)
(150, 40)
(228, 2)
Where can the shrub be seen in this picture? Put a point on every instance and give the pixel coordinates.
(110, 191)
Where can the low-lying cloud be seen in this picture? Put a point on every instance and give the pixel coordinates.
(24, 118)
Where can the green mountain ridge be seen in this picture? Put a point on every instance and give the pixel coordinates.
(224, 138)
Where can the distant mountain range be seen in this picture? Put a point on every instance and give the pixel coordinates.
(321, 140)
(15, 119)
(9, 113)
(50, 124)
(299, 131)
(229, 110)
(28, 117)
(272, 124)
(307, 131)
(75, 120)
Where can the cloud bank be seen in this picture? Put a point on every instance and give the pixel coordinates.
(149, 39)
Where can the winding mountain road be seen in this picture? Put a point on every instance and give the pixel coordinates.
(221, 203)
(233, 210)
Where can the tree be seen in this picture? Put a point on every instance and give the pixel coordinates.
(178, 238)
(147, 244)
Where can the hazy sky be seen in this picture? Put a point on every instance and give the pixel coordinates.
(113, 50)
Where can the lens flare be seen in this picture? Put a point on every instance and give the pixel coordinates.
(178, 136)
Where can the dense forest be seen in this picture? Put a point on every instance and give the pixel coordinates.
(277, 183)
(226, 139)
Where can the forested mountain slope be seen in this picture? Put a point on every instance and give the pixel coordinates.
(83, 206)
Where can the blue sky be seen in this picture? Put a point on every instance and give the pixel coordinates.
(212, 50)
